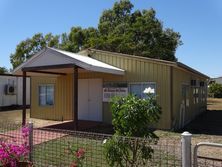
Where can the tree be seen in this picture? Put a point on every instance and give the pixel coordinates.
(3, 70)
(78, 39)
(120, 29)
(138, 33)
(132, 117)
(31, 46)
(216, 90)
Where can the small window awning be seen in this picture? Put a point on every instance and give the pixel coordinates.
(51, 58)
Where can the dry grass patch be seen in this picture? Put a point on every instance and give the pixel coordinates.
(214, 104)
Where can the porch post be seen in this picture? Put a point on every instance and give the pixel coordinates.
(24, 98)
(75, 97)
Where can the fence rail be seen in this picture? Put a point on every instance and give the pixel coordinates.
(209, 158)
(208, 161)
(50, 147)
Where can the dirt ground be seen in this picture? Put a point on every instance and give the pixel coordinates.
(16, 117)
(213, 105)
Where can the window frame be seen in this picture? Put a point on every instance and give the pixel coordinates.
(203, 93)
(46, 85)
(196, 95)
(141, 83)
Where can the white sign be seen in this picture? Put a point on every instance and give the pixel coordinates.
(108, 93)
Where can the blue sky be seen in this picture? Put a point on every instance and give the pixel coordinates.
(199, 23)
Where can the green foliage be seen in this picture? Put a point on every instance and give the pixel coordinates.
(3, 70)
(120, 29)
(116, 151)
(138, 33)
(78, 156)
(132, 117)
(31, 46)
(216, 89)
(120, 151)
(78, 39)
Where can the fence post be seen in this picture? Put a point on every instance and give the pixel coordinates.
(30, 141)
(186, 149)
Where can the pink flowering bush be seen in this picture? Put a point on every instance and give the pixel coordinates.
(12, 153)
(78, 157)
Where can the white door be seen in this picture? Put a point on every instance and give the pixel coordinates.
(95, 99)
(90, 99)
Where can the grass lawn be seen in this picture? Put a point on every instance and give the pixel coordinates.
(167, 152)
(56, 152)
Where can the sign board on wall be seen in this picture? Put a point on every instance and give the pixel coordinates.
(110, 92)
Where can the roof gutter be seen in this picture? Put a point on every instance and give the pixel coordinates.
(181, 65)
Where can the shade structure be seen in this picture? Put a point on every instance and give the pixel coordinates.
(50, 58)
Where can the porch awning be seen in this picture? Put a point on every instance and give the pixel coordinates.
(51, 58)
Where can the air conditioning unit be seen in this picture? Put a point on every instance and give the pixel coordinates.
(10, 89)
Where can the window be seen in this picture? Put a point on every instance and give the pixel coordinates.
(196, 95)
(46, 95)
(138, 88)
(203, 92)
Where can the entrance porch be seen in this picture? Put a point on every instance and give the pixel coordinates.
(56, 86)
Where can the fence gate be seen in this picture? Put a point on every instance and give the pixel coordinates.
(213, 161)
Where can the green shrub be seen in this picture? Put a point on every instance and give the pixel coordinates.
(132, 117)
(216, 90)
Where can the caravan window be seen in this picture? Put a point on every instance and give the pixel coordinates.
(46, 95)
(138, 88)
